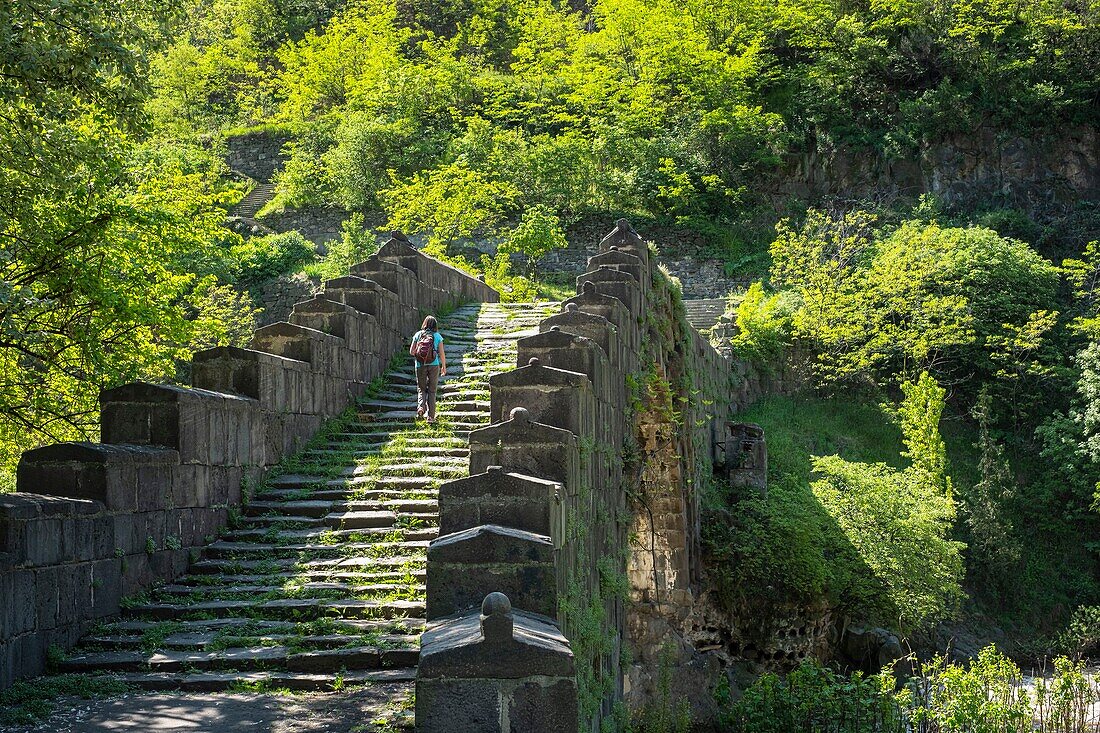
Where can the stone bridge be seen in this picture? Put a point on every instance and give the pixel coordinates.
(533, 562)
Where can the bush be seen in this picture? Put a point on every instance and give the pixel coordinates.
(260, 259)
(498, 275)
(990, 695)
(355, 245)
(764, 324)
(815, 699)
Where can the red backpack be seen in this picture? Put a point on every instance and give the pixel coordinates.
(424, 348)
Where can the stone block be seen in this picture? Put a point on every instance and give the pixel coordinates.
(525, 446)
(625, 239)
(623, 260)
(393, 277)
(464, 566)
(106, 586)
(590, 325)
(500, 670)
(561, 350)
(589, 300)
(616, 283)
(300, 343)
(87, 471)
(499, 497)
(447, 706)
(544, 706)
(551, 396)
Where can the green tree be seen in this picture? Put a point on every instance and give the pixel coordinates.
(447, 203)
(539, 233)
(97, 241)
(899, 522)
(354, 245)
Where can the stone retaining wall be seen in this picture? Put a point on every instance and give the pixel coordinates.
(257, 155)
(92, 523)
(545, 514)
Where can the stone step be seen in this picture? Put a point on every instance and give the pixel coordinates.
(418, 453)
(343, 490)
(452, 426)
(284, 608)
(411, 438)
(214, 566)
(426, 529)
(301, 682)
(209, 592)
(296, 482)
(340, 543)
(409, 413)
(202, 641)
(314, 509)
(245, 659)
(450, 407)
(230, 550)
(304, 575)
(242, 625)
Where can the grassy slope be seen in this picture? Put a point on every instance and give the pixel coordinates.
(1052, 578)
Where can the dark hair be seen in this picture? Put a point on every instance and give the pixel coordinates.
(429, 324)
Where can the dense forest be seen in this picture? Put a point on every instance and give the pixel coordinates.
(962, 476)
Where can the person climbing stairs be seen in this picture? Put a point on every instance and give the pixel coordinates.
(319, 581)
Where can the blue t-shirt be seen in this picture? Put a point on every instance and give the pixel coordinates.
(438, 341)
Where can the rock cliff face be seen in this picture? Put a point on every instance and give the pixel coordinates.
(984, 166)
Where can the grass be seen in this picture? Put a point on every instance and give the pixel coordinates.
(32, 701)
(800, 428)
(556, 286)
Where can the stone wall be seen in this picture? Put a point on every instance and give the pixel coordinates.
(257, 155)
(92, 523)
(278, 297)
(546, 514)
(318, 224)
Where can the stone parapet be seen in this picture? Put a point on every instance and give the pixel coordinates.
(553, 467)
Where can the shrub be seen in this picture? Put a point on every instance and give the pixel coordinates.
(498, 275)
(815, 699)
(260, 259)
(990, 695)
(354, 245)
(763, 324)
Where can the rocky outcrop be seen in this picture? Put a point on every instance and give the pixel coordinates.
(982, 167)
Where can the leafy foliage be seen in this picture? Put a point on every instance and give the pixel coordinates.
(990, 695)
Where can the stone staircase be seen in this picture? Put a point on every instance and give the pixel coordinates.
(255, 200)
(320, 580)
(703, 313)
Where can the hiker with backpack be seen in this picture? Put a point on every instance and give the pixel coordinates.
(430, 362)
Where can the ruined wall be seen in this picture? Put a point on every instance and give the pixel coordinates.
(553, 497)
(257, 155)
(94, 522)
